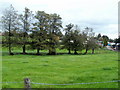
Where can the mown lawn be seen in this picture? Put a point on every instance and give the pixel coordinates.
(61, 69)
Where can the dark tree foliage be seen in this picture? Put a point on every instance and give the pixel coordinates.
(105, 40)
(111, 40)
(117, 40)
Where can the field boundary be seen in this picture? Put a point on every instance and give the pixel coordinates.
(77, 83)
(27, 83)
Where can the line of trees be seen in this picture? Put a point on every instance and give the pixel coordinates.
(44, 31)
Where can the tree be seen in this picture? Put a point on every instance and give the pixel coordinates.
(53, 32)
(105, 40)
(73, 39)
(39, 33)
(89, 42)
(9, 23)
(67, 38)
(25, 27)
(77, 40)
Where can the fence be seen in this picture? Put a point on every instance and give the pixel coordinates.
(27, 83)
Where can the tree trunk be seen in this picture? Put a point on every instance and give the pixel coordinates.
(52, 51)
(9, 46)
(9, 40)
(24, 52)
(25, 29)
(86, 51)
(92, 50)
(75, 51)
(69, 51)
(38, 51)
(10, 53)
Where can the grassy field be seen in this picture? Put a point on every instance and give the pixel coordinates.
(61, 69)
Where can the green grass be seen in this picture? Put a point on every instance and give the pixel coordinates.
(61, 69)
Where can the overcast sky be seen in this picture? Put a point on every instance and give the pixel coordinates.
(101, 15)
